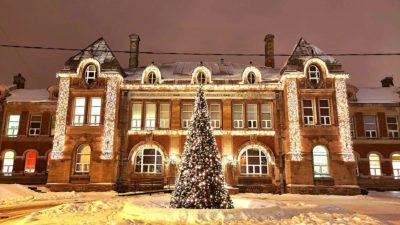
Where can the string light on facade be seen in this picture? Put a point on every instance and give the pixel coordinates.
(61, 119)
(109, 120)
(344, 120)
(294, 127)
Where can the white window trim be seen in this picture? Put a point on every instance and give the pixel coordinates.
(261, 154)
(308, 117)
(392, 133)
(90, 75)
(238, 123)
(35, 131)
(95, 120)
(150, 123)
(136, 123)
(186, 122)
(375, 171)
(267, 124)
(157, 152)
(320, 166)
(322, 119)
(311, 74)
(82, 170)
(215, 123)
(371, 133)
(164, 122)
(7, 169)
(253, 123)
(79, 117)
(14, 129)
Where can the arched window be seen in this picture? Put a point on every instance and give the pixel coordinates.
(82, 159)
(396, 166)
(90, 74)
(30, 161)
(253, 162)
(8, 163)
(320, 161)
(152, 78)
(148, 160)
(251, 78)
(314, 75)
(374, 165)
(201, 78)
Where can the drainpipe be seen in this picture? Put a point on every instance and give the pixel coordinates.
(281, 138)
(123, 134)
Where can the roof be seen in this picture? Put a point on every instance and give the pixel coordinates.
(98, 50)
(378, 95)
(29, 95)
(305, 50)
(184, 70)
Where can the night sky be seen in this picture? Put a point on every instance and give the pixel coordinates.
(340, 26)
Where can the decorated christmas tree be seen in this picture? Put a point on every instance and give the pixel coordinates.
(200, 183)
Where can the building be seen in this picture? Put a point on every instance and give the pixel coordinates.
(296, 129)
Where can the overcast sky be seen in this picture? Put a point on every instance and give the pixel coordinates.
(340, 26)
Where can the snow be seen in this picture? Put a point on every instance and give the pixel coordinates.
(29, 95)
(378, 95)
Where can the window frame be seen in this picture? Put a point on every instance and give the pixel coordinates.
(150, 123)
(321, 117)
(317, 72)
(81, 117)
(14, 129)
(260, 165)
(271, 108)
(90, 76)
(252, 75)
(369, 133)
(253, 123)
(201, 77)
(31, 169)
(76, 162)
(215, 123)
(394, 134)
(97, 118)
(352, 126)
(395, 169)
(152, 78)
(312, 116)
(160, 119)
(375, 171)
(10, 167)
(242, 116)
(186, 121)
(321, 166)
(36, 131)
(137, 121)
(140, 153)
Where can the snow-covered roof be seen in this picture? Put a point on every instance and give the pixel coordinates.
(378, 95)
(29, 95)
(184, 70)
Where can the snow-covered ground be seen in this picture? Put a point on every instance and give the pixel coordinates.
(254, 209)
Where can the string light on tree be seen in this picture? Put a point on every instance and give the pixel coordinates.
(200, 184)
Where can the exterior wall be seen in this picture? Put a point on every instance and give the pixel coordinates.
(20, 144)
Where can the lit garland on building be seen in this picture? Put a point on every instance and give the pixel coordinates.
(109, 120)
(215, 132)
(61, 119)
(294, 127)
(344, 120)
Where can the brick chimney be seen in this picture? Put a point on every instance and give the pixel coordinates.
(269, 51)
(387, 82)
(134, 48)
(19, 81)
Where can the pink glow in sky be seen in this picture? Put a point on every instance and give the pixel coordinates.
(340, 26)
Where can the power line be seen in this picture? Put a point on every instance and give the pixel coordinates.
(199, 54)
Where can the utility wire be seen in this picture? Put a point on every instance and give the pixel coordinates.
(199, 54)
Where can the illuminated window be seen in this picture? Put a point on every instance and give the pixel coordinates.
(324, 112)
(164, 115)
(152, 78)
(320, 161)
(266, 116)
(308, 112)
(187, 110)
(201, 78)
(90, 74)
(253, 162)
(95, 111)
(30, 162)
(392, 126)
(13, 125)
(215, 115)
(238, 115)
(148, 161)
(79, 112)
(396, 166)
(136, 116)
(82, 159)
(251, 78)
(150, 116)
(314, 75)
(8, 163)
(374, 165)
(252, 116)
(34, 125)
(370, 126)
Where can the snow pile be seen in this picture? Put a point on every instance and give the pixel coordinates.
(154, 210)
(11, 194)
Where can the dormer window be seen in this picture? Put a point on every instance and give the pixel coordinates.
(314, 75)
(152, 78)
(201, 78)
(251, 78)
(90, 74)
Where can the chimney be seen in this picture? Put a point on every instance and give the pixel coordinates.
(134, 49)
(269, 51)
(387, 82)
(19, 81)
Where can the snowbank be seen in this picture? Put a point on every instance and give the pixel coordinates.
(154, 210)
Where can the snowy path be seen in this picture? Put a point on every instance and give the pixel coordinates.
(254, 209)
